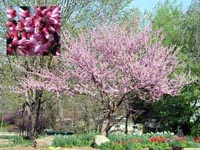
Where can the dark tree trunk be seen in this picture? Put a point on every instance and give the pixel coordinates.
(32, 134)
(110, 108)
(60, 113)
(34, 116)
(126, 123)
(37, 115)
(86, 118)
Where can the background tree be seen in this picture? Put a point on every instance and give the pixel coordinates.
(181, 28)
(168, 17)
(32, 102)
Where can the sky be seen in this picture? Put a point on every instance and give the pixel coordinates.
(150, 4)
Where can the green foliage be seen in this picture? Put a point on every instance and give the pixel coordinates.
(196, 129)
(180, 29)
(190, 27)
(18, 140)
(129, 142)
(74, 140)
(178, 144)
(8, 137)
(193, 144)
(158, 146)
(167, 17)
(21, 141)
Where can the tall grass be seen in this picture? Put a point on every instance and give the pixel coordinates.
(74, 140)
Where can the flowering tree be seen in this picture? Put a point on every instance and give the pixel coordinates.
(14, 74)
(35, 33)
(34, 86)
(110, 62)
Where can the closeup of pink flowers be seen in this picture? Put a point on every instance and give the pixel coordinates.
(33, 30)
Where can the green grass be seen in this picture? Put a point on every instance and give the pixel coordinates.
(4, 127)
(16, 140)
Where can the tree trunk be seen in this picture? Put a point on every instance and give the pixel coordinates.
(1, 121)
(110, 109)
(37, 116)
(86, 118)
(74, 116)
(32, 134)
(34, 112)
(60, 113)
(126, 124)
(27, 107)
(106, 124)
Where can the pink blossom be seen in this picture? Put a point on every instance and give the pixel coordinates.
(23, 13)
(11, 13)
(35, 32)
(9, 24)
(116, 61)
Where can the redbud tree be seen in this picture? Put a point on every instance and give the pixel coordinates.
(109, 62)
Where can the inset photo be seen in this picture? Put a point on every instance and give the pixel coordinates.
(33, 31)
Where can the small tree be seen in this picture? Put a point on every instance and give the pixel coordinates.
(110, 62)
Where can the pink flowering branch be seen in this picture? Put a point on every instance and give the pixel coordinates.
(116, 60)
(34, 34)
(45, 80)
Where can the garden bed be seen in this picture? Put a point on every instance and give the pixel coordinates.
(158, 141)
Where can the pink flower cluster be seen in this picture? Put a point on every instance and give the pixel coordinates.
(34, 31)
